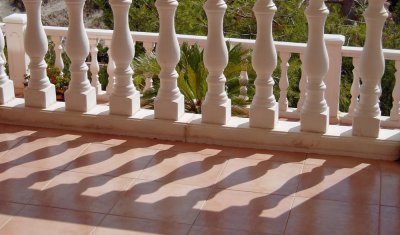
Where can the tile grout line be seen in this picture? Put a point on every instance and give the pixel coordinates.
(380, 198)
(12, 217)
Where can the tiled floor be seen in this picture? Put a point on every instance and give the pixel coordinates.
(63, 182)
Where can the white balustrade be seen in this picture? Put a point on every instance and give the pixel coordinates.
(169, 103)
(40, 93)
(366, 121)
(264, 109)
(314, 116)
(284, 82)
(216, 108)
(243, 81)
(124, 99)
(355, 86)
(110, 69)
(58, 49)
(94, 65)
(80, 96)
(395, 112)
(302, 85)
(6, 85)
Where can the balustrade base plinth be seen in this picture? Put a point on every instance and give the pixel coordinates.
(40, 98)
(314, 122)
(261, 117)
(366, 127)
(169, 110)
(7, 92)
(125, 106)
(80, 102)
(216, 114)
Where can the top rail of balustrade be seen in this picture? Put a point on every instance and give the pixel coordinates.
(389, 54)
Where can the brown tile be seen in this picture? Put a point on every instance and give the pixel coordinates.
(313, 216)
(390, 192)
(246, 211)
(9, 140)
(161, 201)
(34, 220)
(78, 191)
(261, 154)
(261, 176)
(340, 161)
(112, 160)
(8, 210)
(185, 168)
(116, 225)
(390, 217)
(340, 184)
(198, 230)
(19, 184)
(43, 153)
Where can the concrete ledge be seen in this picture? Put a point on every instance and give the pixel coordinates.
(286, 136)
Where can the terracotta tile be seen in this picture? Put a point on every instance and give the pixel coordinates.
(8, 210)
(198, 230)
(34, 220)
(341, 161)
(312, 216)
(19, 184)
(116, 225)
(160, 201)
(261, 176)
(78, 191)
(340, 184)
(390, 217)
(8, 142)
(246, 211)
(43, 153)
(262, 154)
(112, 160)
(185, 168)
(390, 192)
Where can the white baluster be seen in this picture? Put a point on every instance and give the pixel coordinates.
(110, 69)
(94, 65)
(216, 108)
(169, 103)
(244, 79)
(58, 49)
(124, 99)
(80, 96)
(40, 93)
(395, 112)
(314, 116)
(264, 109)
(6, 85)
(284, 81)
(148, 46)
(302, 85)
(355, 86)
(366, 121)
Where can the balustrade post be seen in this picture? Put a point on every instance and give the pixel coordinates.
(94, 65)
(355, 86)
(395, 112)
(110, 69)
(58, 49)
(124, 99)
(17, 59)
(216, 108)
(366, 120)
(80, 95)
(314, 116)
(334, 44)
(169, 103)
(284, 82)
(264, 108)
(6, 85)
(40, 93)
(302, 85)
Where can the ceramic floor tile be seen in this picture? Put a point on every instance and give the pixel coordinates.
(198, 230)
(320, 217)
(340, 161)
(271, 155)
(390, 184)
(8, 210)
(19, 184)
(112, 160)
(390, 217)
(9, 141)
(78, 191)
(245, 211)
(340, 184)
(185, 168)
(261, 176)
(161, 201)
(34, 220)
(116, 225)
(44, 153)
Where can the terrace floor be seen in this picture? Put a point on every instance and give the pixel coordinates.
(65, 182)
